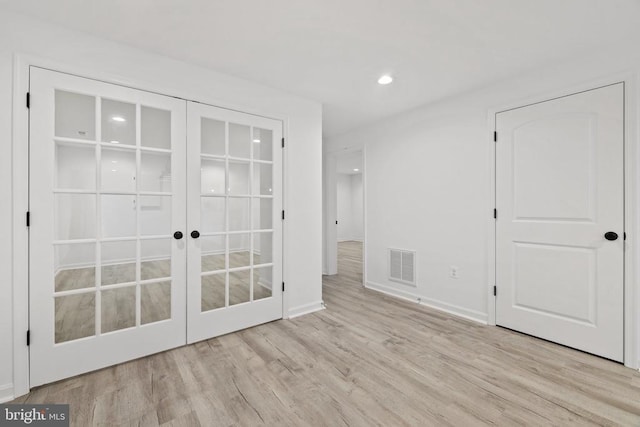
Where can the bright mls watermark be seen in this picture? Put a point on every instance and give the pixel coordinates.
(34, 415)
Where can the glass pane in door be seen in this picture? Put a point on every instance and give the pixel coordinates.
(155, 215)
(75, 166)
(156, 128)
(262, 179)
(262, 144)
(75, 216)
(118, 260)
(213, 291)
(75, 115)
(262, 213)
(212, 177)
(239, 177)
(239, 285)
(118, 214)
(239, 213)
(239, 250)
(262, 283)
(155, 172)
(213, 137)
(75, 266)
(155, 259)
(118, 308)
(155, 300)
(213, 251)
(118, 170)
(239, 141)
(75, 316)
(262, 248)
(118, 122)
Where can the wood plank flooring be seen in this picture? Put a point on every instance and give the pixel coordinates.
(368, 359)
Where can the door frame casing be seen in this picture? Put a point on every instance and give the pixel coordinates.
(20, 187)
(631, 200)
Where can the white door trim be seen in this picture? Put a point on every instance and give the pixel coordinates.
(20, 188)
(631, 210)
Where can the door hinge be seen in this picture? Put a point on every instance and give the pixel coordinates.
(495, 213)
(282, 286)
(495, 291)
(495, 136)
(282, 142)
(28, 100)
(29, 337)
(28, 218)
(283, 214)
(624, 236)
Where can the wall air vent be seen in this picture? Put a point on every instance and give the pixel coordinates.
(402, 266)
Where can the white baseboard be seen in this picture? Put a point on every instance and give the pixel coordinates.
(6, 393)
(306, 309)
(465, 313)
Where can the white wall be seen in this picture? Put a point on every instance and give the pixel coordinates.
(100, 58)
(430, 189)
(350, 220)
(357, 207)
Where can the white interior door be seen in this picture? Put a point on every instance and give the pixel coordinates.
(234, 178)
(107, 180)
(559, 231)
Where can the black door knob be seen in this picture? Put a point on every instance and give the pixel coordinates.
(610, 235)
(195, 234)
(177, 235)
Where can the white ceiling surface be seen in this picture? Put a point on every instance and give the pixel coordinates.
(347, 162)
(333, 51)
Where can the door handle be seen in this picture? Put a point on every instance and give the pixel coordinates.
(195, 234)
(611, 235)
(177, 235)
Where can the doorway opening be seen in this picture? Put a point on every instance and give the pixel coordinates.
(350, 214)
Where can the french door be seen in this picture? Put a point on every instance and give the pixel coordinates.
(112, 190)
(560, 225)
(234, 193)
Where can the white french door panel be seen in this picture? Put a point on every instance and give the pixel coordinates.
(107, 179)
(234, 194)
(559, 191)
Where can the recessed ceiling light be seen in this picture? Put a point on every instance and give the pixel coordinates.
(118, 119)
(115, 142)
(385, 80)
(356, 170)
(256, 140)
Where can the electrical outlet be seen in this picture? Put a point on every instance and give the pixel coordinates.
(453, 272)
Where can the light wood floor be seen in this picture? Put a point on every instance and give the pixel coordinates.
(368, 359)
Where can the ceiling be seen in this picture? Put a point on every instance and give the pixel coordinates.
(333, 51)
